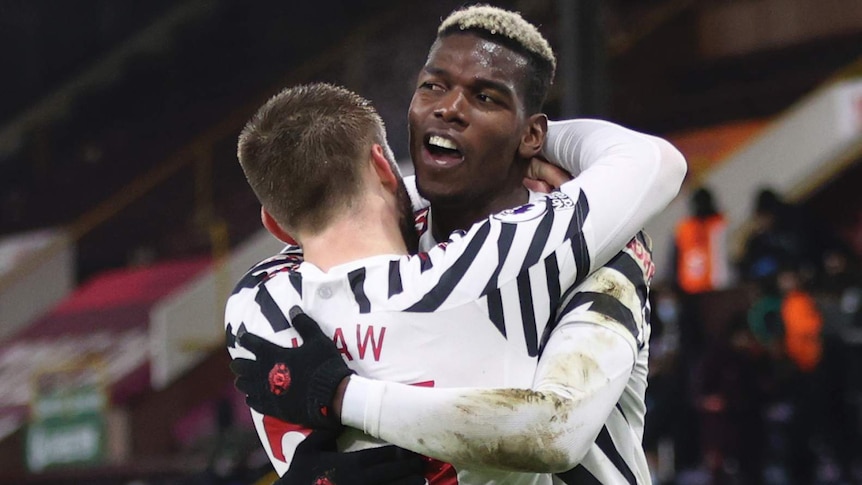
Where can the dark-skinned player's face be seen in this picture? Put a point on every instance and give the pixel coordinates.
(466, 120)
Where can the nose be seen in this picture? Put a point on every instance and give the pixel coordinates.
(451, 107)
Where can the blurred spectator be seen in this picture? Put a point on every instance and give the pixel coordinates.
(803, 347)
(701, 261)
(764, 320)
(700, 266)
(811, 407)
(781, 234)
(839, 290)
(802, 323)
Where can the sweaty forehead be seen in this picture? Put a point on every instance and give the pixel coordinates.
(470, 53)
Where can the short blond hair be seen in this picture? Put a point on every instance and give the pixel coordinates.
(511, 30)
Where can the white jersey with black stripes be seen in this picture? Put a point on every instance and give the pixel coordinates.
(492, 309)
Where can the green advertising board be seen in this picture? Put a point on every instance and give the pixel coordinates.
(67, 427)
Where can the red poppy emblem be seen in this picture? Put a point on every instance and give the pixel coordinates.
(323, 480)
(279, 379)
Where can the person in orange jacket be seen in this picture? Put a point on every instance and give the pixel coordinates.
(700, 265)
(701, 260)
(802, 323)
(803, 348)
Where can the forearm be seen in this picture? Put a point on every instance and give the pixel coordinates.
(571, 144)
(627, 177)
(545, 429)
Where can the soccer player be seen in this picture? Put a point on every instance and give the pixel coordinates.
(554, 241)
(613, 452)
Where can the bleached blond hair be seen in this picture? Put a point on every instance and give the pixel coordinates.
(512, 31)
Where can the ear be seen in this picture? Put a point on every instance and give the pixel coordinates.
(534, 136)
(383, 168)
(275, 228)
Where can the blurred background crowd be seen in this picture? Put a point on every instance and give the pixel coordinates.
(125, 219)
(756, 357)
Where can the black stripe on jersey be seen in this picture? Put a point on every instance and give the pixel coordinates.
(608, 306)
(255, 275)
(606, 444)
(270, 310)
(620, 409)
(579, 242)
(425, 262)
(495, 310)
(248, 280)
(582, 256)
(295, 280)
(495, 298)
(552, 274)
(291, 250)
(647, 322)
(452, 276)
(578, 475)
(528, 316)
(540, 238)
(644, 239)
(604, 304)
(626, 264)
(395, 286)
(229, 338)
(357, 284)
(504, 244)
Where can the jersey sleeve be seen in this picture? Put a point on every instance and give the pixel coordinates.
(626, 177)
(615, 296)
(548, 428)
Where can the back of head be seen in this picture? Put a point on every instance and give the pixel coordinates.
(702, 204)
(768, 202)
(302, 153)
(510, 30)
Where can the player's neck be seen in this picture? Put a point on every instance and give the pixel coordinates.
(453, 217)
(351, 238)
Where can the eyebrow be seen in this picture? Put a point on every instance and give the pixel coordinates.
(477, 82)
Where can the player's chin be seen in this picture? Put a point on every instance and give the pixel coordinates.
(441, 191)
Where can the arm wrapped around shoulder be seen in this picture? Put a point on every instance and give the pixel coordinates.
(626, 176)
(575, 145)
(546, 429)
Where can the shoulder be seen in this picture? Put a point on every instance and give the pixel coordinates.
(285, 262)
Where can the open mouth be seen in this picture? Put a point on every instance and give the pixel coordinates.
(443, 151)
